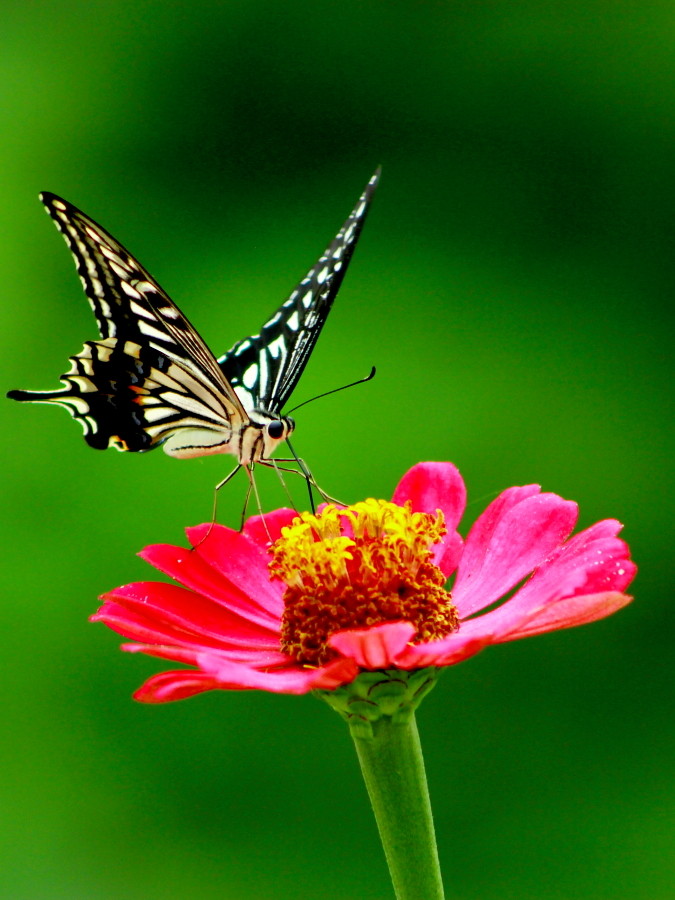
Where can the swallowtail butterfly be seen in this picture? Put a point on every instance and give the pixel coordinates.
(151, 380)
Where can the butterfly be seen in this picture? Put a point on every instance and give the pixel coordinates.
(152, 381)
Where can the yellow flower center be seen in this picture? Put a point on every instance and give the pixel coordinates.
(356, 567)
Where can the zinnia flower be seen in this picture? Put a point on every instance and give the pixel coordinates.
(363, 588)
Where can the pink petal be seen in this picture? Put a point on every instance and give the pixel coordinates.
(238, 560)
(431, 486)
(191, 569)
(375, 647)
(512, 537)
(176, 685)
(175, 654)
(254, 659)
(592, 562)
(447, 554)
(184, 614)
(129, 625)
(446, 652)
(601, 560)
(185, 648)
(473, 636)
(264, 530)
(579, 610)
(484, 526)
(132, 623)
(331, 676)
(289, 681)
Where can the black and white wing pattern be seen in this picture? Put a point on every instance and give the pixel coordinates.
(151, 380)
(151, 377)
(265, 368)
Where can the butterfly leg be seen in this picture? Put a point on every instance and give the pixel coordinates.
(303, 473)
(253, 488)
(249, 472)
(215, 495)
(309, 478)
(279, 470)
(227, 478)
(273, 464)
(307, 475)
(214, 511)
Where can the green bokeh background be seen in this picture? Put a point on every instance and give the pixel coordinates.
(513, 286)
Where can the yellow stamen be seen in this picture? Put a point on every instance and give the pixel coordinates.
(360, 566)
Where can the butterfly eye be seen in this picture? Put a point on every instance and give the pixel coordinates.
(275, 429)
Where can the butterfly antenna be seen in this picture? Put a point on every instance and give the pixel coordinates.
(344, 387)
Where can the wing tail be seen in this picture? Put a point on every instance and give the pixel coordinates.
(36, 396)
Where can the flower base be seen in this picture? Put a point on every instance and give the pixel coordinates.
(391, 693)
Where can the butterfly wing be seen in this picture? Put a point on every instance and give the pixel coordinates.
(151, 378)
(266, 367)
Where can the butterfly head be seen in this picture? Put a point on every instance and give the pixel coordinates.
(280, 429)
(262, 435)
(276, 431)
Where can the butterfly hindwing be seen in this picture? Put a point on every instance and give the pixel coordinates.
(265, 368)
(132, 397)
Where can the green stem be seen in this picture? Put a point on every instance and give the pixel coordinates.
(393, 769)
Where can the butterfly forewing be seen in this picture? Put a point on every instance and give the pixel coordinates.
(266, 367)
(127, 301)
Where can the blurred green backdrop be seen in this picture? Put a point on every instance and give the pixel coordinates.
(513, 286)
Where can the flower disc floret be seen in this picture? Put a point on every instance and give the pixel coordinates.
(356, 567)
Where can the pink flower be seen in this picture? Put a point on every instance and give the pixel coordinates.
(362, 588)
